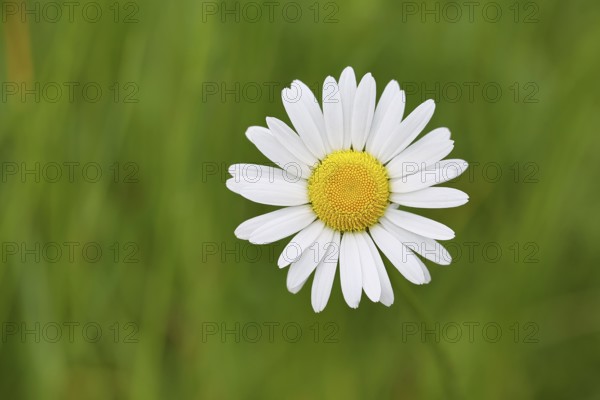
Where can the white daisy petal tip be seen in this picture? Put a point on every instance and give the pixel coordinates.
(299, 90)
(250, 132)
(297, 288)
(441, 133)
(255, 131)
(291, 94)
(348, 71)
(286, 94)
(388, 302)
(430, 105)
(233, 169)
(232, 185)
(241, 232)
(239, 235)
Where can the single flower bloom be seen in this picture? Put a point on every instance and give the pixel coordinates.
(342, 176)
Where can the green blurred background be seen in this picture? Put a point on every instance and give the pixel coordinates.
(178, 298)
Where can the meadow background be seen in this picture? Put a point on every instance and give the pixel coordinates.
(178, 298)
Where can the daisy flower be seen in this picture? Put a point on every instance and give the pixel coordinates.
(343, 175)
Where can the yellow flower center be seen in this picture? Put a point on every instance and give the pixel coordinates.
(349, 190)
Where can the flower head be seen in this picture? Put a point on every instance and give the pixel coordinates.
(342, 176)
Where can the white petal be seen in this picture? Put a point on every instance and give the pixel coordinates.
(419, 225)
(333, 113)
(403, 259)
(233, 188)
(407, 131)
(437, 135)
(304, 112)
(426, 273)
(296, 289)
(386, 104)
(350, 270)
(297, 218)
(253, 173)
(324, 275)
(246, 228)
(362, 112)
(433, 197)
(291, 141)
(440, 172)
(267, 185)
(347, 85)
(271, 193)
(370, 275)
(274, 151)
(388, 114)
(244, 172)
(301, 269)
(425, 152)
(387, 293)
(424, 246)
(300, 243)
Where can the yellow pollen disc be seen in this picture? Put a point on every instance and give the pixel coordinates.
(349, 190)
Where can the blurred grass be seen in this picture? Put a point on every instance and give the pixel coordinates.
(178, 206)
